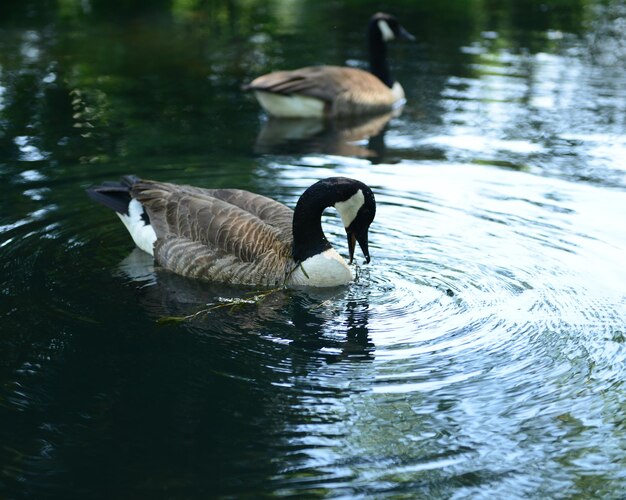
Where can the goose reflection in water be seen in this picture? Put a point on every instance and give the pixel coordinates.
(309, 321)
(361, 137)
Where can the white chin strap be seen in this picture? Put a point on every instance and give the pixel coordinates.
(350, 208)
(385, 30)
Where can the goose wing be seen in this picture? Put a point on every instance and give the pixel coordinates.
(219, 234)
(347, 90)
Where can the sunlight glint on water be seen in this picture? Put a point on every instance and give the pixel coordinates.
(490, 286)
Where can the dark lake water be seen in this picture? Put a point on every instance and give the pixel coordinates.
(482, 352)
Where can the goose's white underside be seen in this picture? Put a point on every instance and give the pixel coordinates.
(325, 269)
(143, 235)
(290, 106)
(297, 106)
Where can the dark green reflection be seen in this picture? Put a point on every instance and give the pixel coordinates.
(95, 399)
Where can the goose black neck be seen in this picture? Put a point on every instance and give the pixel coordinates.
(308, 237)
(379, 66)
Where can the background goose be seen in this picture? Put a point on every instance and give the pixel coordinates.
(335, 91)
(235, 236)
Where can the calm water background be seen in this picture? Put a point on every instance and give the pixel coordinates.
(480, 355)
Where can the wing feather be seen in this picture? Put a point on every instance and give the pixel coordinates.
(346, 89)
(223, 234)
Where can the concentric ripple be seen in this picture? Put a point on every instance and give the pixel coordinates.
(491, 300)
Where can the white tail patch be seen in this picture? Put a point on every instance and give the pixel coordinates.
(398, 95)
(385, 30)
(290, 106)
(349, 208)
(143, 234)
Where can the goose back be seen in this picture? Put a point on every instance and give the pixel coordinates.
(226, 235)
(344, 91)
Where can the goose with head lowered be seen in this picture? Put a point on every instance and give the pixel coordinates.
(235, 236)
(337, 91)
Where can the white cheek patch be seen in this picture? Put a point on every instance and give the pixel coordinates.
(385, 30)
(349, 208)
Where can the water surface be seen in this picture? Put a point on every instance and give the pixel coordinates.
(481, 353)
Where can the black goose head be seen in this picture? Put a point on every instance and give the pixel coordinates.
(357, 207)
(386, 27)
(351, 198)
(383, 28)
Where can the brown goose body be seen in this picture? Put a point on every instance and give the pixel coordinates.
(336, 91)
(235, 236)
(225, 235)
(340, 92)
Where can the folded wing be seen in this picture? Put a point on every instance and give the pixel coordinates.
(219, 234)
(346, 90)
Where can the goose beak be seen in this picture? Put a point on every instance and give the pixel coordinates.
(363, 243)
(405, 35)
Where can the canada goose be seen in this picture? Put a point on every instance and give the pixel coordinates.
(333, 91)
(235, 236)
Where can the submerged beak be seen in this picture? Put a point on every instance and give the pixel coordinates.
(405, 35)
(362, 239)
